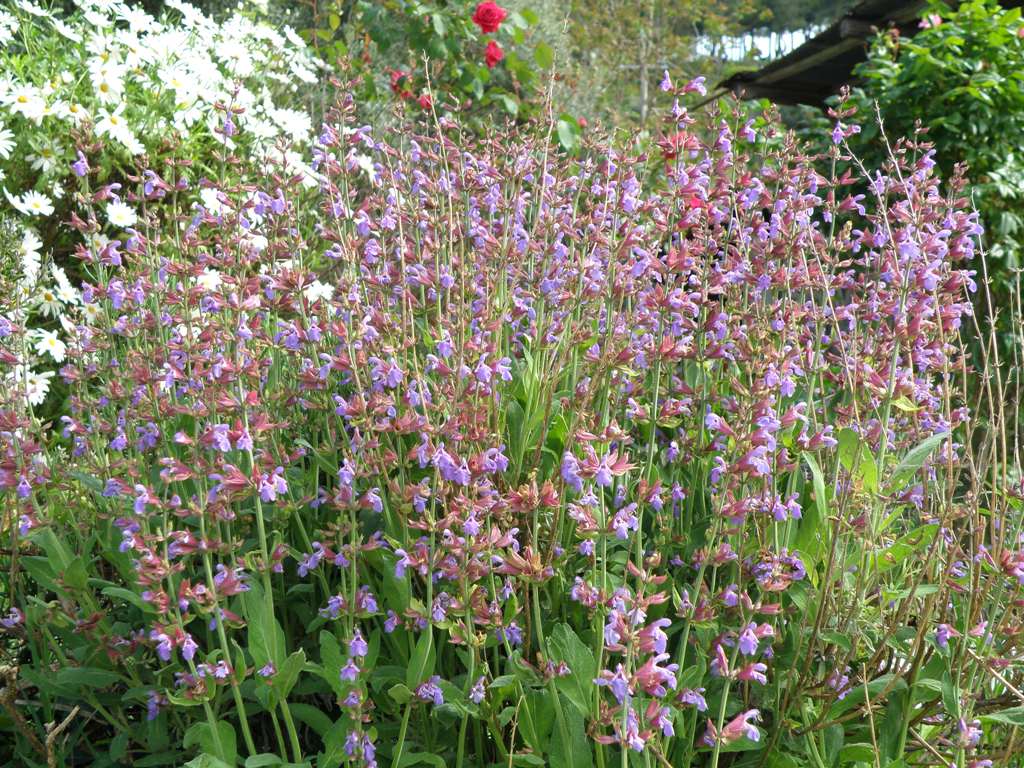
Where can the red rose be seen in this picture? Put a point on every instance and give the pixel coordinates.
(488, 16)
(425, 101)
(493, 54)
(399, 79)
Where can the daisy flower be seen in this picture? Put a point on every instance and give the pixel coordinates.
(120, 214)
(6, 143)
(48, 343)
(35, 385)
(28, 253)
(209, 280)
(26, 101)
(31, 203)
(317, 290)
(49, 301)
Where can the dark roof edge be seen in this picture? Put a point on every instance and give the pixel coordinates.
(850, 31)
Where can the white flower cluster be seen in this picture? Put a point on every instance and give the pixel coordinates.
(135, 80)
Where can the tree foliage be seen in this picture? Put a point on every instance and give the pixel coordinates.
(962, 79)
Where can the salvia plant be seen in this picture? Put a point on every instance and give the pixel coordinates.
(486, 454)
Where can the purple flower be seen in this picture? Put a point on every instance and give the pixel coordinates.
(748, 640)
(273, 485)
(942, 635)
(571, 472)
(513, 633)
(430, 691)
(141, 499)
(154, 702)
(310, 562)
(349, 672)
(969, 733)
(478, 692)
(617, 683)
(13, 618)
(730, 597)
(164, 645)
(693, 697)
(188, 648)
(754, 672)
(624, 521)
(81, 167)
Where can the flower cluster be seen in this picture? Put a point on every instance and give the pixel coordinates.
(113, 74)
(480, 450)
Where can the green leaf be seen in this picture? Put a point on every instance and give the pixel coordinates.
(543, 55)
(288, 674)
(437, 21)
(421, 665)
(914, 460)
(1011, 716)
(856, 458)
(86, 677)
(950, 699)
(577, 753)
(311, 716)
(266, 638)
(422, 758)
(527, 759)
(172, 757)
(857, 753)
(578, 685)
(262, 760)
(509, 102)
(205, 761)
(567, 136)
(904, 547)
(333, 661)
(400, 693)
(812, 534)
(118, 746)
(859, 695)
(75, 576)
(129, 597)
(202, 734)
(40, 570)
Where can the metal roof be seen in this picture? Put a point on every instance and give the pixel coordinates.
(817, 69)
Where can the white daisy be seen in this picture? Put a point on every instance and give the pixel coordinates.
(25, 100)
(48, 343)
(31, 203)
(6, 143)
(28, 252)
(121, 214)
(34, 385)
(37, 384)
(209, 280)
(317, 290)
(49, 301)
(114, 124)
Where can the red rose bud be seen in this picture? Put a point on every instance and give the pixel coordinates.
(493, 54)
